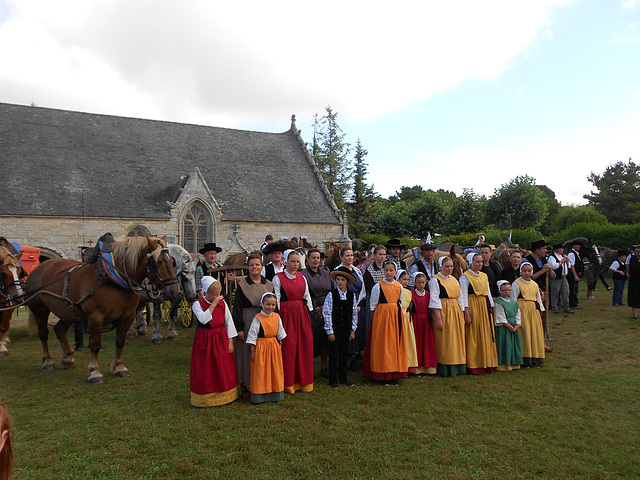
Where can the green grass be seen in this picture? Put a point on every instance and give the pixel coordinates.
(577, 417)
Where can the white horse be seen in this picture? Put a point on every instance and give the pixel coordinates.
(186, 273)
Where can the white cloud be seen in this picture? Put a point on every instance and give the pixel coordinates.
(231, 62)
(628, 4)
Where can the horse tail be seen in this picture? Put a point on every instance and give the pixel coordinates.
(33, 324)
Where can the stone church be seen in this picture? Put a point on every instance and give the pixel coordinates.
(69, 177)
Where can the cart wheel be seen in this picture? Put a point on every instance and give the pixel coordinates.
(166, 310)
(185, 313)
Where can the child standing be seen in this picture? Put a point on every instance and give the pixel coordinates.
(507, 318)
(526, 292)
(264, 338)
(619, 275)
(385, 359)
(412, 355)
(213, 379)
(340, 312)
(425, 342)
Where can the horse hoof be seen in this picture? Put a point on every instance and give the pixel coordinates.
(4, 352)
(96, 379)
(68, 364)
(173, 336)
(156, 340)
(47, 367)
(123, 373)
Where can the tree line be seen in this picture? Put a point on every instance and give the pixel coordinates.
(520, 205)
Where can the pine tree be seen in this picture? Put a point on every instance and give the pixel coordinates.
(360, 208)
(331, 155)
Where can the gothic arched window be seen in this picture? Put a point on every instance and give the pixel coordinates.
(197, 227)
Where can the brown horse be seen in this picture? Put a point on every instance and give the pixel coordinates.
(10, 293)
(459, 262)
(82, 292)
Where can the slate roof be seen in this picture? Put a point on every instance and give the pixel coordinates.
(62, 163)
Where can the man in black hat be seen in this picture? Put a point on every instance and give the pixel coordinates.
(425, 265)
(394, 247)
(577, 270)
(538, 258)
(276, 265)
(558, 285)
(210, 252)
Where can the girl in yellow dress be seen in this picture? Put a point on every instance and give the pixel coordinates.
(412, 352)
(448, 326)
(482, 356)
(527, 293)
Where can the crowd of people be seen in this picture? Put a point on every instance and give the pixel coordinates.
(397, 321)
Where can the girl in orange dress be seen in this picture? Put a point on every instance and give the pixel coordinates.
(385, 359)
(264, 338)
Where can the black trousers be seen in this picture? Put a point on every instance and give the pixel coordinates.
(573, 291)
(338, 354)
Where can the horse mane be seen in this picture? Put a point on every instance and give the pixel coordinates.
(127, 252)
(6, 257)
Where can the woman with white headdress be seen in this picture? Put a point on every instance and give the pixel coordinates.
(482, 356)
(526, 291)
(448, 326)
(294, 303)
(213, 379)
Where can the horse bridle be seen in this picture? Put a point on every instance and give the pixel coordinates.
(5, 287)
(152, 269)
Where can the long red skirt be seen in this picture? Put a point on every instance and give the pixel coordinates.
(297, 347)
(213, 379)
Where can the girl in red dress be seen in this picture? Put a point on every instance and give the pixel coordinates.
(294, 301)
(425, 342)
(213, 379)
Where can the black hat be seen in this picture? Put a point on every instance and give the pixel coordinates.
(537, 244)
(558, 245)
(279, 246)
(394, 242)
(208, 247)
(427, 246)
(343, 272)
(620, 253)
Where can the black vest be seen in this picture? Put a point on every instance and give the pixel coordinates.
(579, 266)
(342, 313)
(269, 271)
(421, 268)
(541, 280)
(557, 271)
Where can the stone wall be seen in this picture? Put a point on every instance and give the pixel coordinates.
(62, 236)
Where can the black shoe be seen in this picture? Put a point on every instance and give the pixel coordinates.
(334, 385)
(609, 289)
(554, 310)
(324, 373)
(80, 348)
(577, 307)
(394, 382)
(571, 312)
(348, 383)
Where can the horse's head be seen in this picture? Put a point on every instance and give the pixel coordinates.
(160, 270)
(11, 286)
(185, 270)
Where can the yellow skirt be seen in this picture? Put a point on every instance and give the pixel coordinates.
(450, 344)
(531, 331)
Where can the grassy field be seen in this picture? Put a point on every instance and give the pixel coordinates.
(577, 417)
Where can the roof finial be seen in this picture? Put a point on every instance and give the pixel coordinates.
(293, 121)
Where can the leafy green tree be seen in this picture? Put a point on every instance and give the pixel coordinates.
(331, 154)
(517, 204)
(393, 220)
(413, 218)
(617, 196)
(550, 224)
(466, 213)
(408, 194)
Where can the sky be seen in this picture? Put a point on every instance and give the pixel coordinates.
(442, 94)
